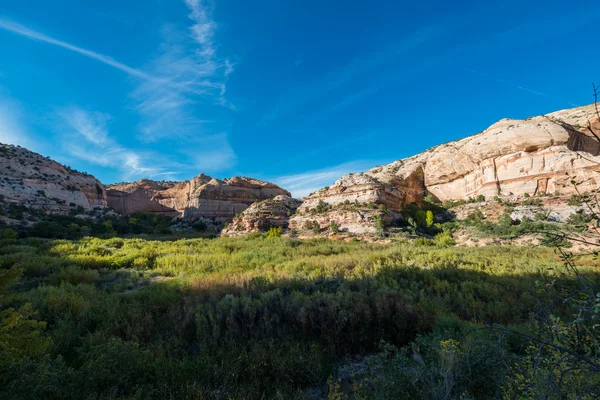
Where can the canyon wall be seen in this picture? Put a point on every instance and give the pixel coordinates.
(201, 196)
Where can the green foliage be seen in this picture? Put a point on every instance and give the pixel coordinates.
(470, 200)
(274, 232)
(334, 227)
(506, 226)
(532, 202)
(9, 234)
(575, 201)
(316, 228)
(429, 219)
(322, 207)
(199, 226)
(540, 216)
(20, 334)
(256, 318)
(579, 219)
(379, 225)
(72, 227)
(445, 239)
(420, 219)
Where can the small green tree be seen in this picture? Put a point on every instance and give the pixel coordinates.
(274, 232)
(429, 218)
(9, 233)
(334, 228)
(316, 228)
(322, 207)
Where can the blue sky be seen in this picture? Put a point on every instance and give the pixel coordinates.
(296, 92)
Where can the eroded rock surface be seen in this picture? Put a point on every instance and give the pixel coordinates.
(202, 196)
(38, 182)
(263, 215)
(511, 157)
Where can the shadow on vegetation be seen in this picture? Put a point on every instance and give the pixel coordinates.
(248, 318)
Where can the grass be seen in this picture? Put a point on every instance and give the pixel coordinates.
(257, 317)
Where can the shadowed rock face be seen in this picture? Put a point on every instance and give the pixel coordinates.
(202, 196)
(30, 179)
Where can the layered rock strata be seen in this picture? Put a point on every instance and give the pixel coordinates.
(202, 196)
(38, 182)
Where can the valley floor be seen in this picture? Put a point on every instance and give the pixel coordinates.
(260, 317)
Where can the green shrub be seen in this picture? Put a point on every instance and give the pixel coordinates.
(274, 232)
(334, 227)
(74, 275)
(444, 239)
(322, 207)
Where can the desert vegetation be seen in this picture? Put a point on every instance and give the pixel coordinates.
(271, 317)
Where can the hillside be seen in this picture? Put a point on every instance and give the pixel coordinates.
(34, 181)
(511, 159)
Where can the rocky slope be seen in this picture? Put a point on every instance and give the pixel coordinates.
(31, 180)
(203, 196)
(511, 158)
(260, 216)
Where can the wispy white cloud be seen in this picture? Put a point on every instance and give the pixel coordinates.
(188, 58)
(203, 156)
(35, 35)
(303, 184)
(13, 129)
(86, 137)
(185, 75)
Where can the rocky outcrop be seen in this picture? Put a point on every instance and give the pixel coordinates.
(511, 157)
(202, 196)
(263, 215)
(361, 188)
(348, 221)
(38, 182)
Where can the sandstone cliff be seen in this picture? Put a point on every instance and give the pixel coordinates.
(203, 196)
(32, 180)
(511, 158)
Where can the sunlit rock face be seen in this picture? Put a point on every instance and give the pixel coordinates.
(202, 196)
(511, 157)
(38, 182)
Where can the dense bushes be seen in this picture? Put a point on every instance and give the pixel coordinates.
(263, 317)
(76, 227)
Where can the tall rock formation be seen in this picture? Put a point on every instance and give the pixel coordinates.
(202, 196)
(511, 157)
(38, 182)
